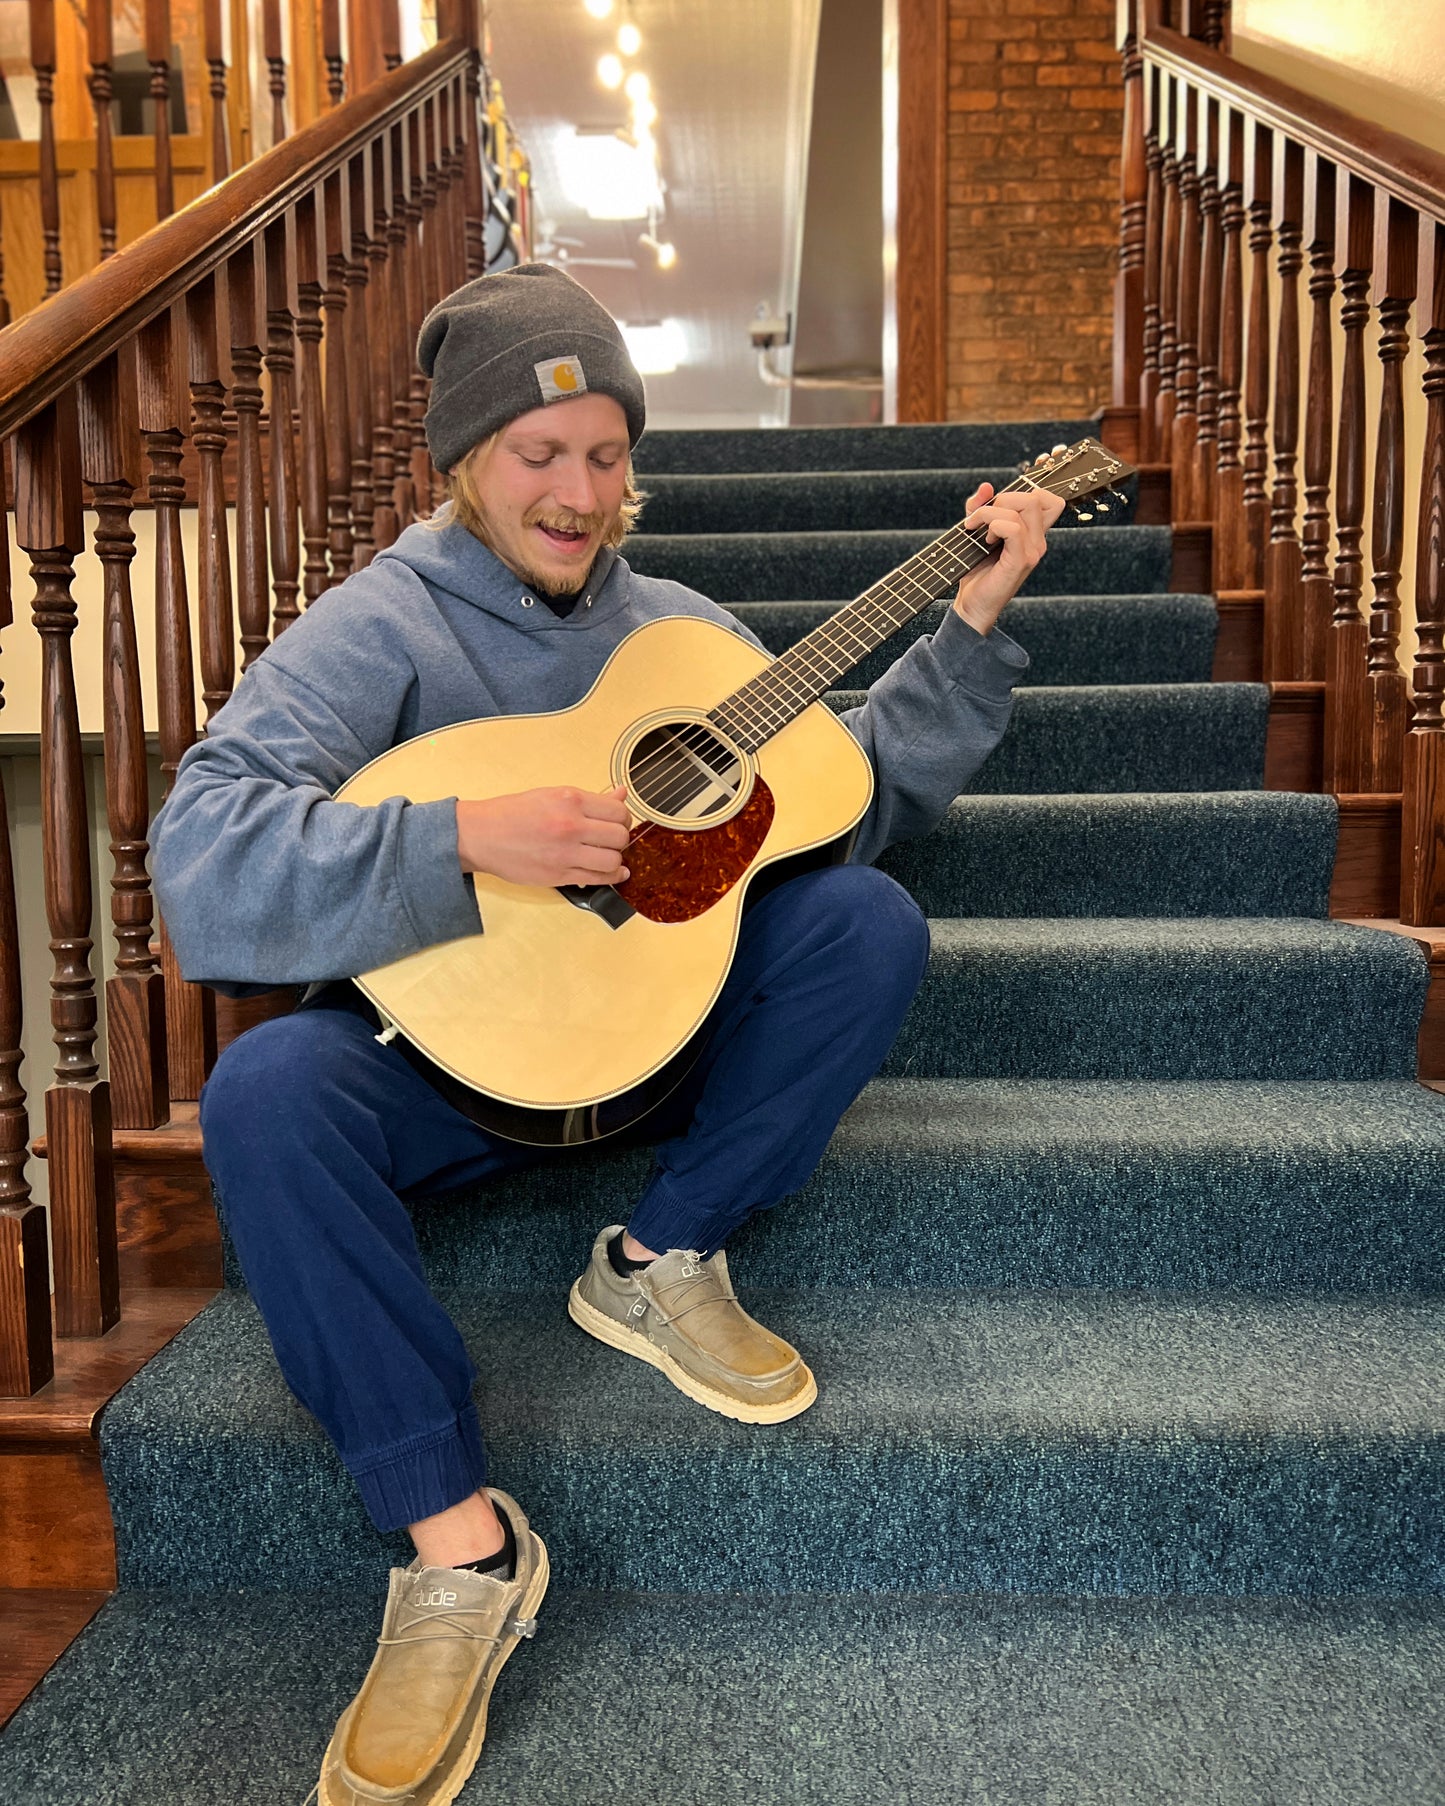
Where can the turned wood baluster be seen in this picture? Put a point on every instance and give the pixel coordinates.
(337, 221)
(1129, 278)
(1347, 720)
(379, 300)
(1211, 204)
(1186, 366)
(474, 194)
(1422, 846)
(279, 263)
(412, 154)
(392, 396)
(1168, 273)
(42, 59)
(363, 501)
(1315, 597)
(208, 435)
(453, 223)
(1283, 622)
(102, 50)
(1258, 157)
(433, 286)
(158, 55)
(49, 525)
(1231, 554)
(252, 605)
(161, 360)
(1397, 235)
(4, 304)
(135, 998)
(389, 24)
(274, 50)
(312, 400)
(1153, 252)
(331, 51)
(27, 1360)
(216, 64)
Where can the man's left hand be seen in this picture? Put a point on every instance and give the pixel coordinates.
(1017, 520)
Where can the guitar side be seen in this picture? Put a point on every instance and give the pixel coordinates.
(550, 1008)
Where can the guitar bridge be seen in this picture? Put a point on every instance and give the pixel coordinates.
(599, 900)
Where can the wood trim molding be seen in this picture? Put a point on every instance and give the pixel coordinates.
(1294, 747)
(1366, 881)
(915, 224)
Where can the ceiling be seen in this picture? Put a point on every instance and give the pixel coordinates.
(732, 81)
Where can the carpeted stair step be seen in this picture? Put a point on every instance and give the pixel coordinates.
(756, 1700)
(1136, 737)
(1190, 853)
(1086, 1442)
(1281, 1187)
(827, 501)
(1149, 639)
(954, 446)
(768, 567)
(1159, 998)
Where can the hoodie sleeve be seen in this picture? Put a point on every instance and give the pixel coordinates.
(927, 726)
(264, 880)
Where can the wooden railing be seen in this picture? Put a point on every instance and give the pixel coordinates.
(286, 301)
(1232, 180)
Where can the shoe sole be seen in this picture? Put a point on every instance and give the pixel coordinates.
(630, 1341)
(477, 1736)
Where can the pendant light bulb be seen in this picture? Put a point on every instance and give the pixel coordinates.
(629, 38)
(609, 70)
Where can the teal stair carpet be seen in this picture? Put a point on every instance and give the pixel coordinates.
(1124, 1283)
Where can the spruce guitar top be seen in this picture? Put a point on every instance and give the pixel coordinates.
(576, 1009)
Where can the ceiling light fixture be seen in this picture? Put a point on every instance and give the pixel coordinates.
(629, 38)
(599, 9)
(608, 178)
(665, 252)
(638, 86)
(644, 115)
(609, 70)
(656, 347)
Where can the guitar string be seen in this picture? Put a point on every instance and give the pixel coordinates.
(762, 688)
(696, 737)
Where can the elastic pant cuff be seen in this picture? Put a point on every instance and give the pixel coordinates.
(662, 1220)
(428, 1474)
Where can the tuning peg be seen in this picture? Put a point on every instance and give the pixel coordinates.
(1081, 514)
(1042, 458)
(1103, 507)
(1058, 451)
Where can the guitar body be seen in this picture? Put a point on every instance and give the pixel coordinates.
(556, 1007)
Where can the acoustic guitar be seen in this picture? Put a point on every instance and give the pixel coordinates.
(576, 1010)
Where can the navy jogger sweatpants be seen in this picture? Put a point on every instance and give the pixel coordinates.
(313, 1130)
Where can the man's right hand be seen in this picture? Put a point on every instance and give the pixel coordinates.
(560, 835)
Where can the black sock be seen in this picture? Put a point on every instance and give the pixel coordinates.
(623, 1263)
(502, 1565)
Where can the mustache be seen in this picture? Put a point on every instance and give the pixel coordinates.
(564, 521)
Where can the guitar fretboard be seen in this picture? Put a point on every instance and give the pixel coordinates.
(798, 677)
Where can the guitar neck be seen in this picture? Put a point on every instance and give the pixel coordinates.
(807, 670)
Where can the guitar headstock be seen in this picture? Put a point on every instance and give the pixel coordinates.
(1082, 473)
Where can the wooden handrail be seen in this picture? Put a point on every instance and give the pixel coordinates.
(43, 353)
(1411, 172)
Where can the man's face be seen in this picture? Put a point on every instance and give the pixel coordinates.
(550, 489)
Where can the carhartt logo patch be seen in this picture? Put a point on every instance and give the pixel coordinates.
(559, 377)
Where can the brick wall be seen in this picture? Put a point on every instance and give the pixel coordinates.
(1035, 112)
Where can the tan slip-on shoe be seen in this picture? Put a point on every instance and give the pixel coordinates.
(413, 1733)
(681, 1315)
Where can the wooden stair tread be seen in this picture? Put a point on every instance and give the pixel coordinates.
(178, 1139)
(89, 1371)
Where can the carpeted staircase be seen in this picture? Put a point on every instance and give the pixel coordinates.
(1122, 1283)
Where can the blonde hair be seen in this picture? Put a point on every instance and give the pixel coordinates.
(466, 508)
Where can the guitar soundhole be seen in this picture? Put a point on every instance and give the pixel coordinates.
(682, 771)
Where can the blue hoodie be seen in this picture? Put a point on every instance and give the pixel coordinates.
(264, 880)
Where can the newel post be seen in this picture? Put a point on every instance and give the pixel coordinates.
(1121, 420)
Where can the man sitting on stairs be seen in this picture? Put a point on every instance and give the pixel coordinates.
(315, 1132)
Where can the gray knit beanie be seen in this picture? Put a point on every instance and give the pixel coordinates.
(514, 341)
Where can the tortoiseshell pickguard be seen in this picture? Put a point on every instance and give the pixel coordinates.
(678, 873)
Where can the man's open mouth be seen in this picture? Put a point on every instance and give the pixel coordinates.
(562, 539)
